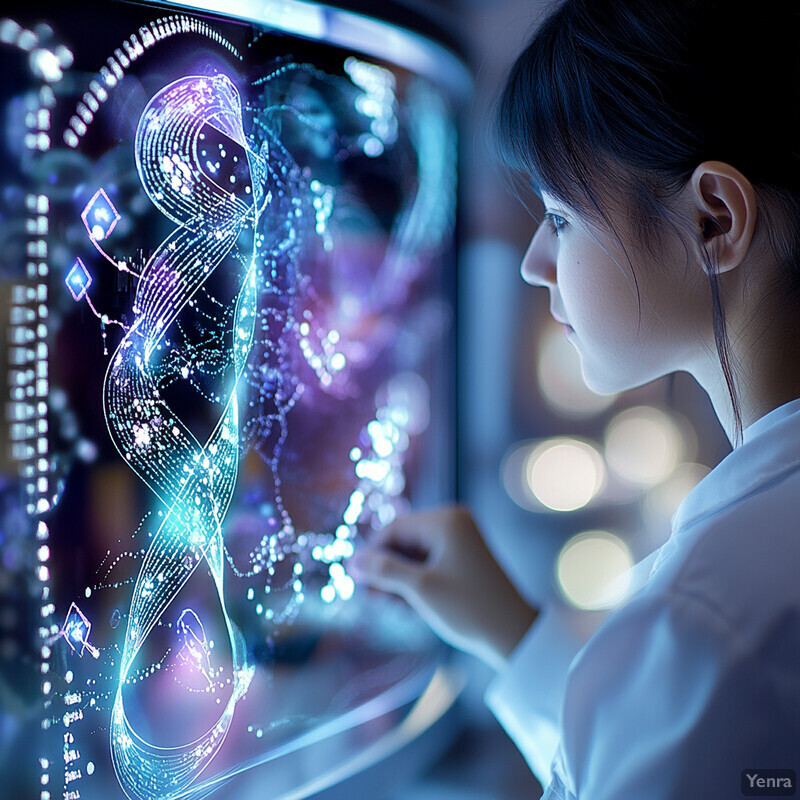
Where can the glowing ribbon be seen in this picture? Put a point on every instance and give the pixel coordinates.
(211, 204)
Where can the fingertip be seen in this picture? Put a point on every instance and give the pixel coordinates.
(385, 570)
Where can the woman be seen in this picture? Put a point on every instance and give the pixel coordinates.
(664, 142)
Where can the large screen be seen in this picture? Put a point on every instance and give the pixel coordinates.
(227, 310)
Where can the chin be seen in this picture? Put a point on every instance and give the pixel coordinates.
(605, 381)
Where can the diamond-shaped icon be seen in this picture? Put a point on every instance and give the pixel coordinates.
(78, 279)
(100, 217)
(76, 630)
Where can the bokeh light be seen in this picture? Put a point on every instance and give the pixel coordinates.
(560, 474)
(561, 379)
(643, 445)
(592, 570)
(662, 501)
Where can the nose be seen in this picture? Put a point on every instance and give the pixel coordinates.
(538, 266)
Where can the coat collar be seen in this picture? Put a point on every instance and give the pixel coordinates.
(770, 448)
(769, 451)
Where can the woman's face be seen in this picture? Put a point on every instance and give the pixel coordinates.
(633, 317)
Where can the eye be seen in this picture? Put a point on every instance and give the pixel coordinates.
(556, 223)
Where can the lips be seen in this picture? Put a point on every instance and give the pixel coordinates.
(558, 317)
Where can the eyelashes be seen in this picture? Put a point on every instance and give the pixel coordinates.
(555, 223)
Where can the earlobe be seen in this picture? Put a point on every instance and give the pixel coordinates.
(725, 205)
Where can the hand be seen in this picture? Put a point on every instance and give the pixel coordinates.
(439, 563)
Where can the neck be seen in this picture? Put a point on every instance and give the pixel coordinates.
(765, 374)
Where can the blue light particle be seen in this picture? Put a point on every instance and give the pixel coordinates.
(78, 280)
(100, 217)
(75, 630)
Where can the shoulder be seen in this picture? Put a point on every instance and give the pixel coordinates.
(741, 562)
(671, 699)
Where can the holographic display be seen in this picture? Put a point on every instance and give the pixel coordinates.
(229, 306)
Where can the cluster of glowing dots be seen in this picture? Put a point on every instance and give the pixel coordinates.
(46, 62)
(378, 102)
(330, 361)
(379, 468)
(592, 570)
(50, 65)
(323, 207)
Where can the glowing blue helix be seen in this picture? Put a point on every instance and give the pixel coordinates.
(212, 207)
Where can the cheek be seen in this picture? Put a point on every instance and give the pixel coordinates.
(599, 296)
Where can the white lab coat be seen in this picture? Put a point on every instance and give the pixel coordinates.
(697, 678)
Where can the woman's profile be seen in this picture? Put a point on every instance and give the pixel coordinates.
(663, 140)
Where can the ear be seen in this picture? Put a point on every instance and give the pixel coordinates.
(725, 211)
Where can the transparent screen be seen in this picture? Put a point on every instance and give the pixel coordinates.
(227, 304)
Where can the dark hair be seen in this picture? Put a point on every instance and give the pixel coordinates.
(620, 100)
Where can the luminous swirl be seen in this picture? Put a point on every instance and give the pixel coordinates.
(214, 203)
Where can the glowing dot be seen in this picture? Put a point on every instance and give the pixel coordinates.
(90, 768)
(45, 65)
(372, 147)
(559, 474)
(372, 470)
(643, 445)
(328, 593)
(345, 586)
(592, 570)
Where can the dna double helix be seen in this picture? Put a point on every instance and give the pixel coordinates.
(197, 169)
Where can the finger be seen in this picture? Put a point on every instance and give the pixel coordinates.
(385, 570)
(418, 530)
